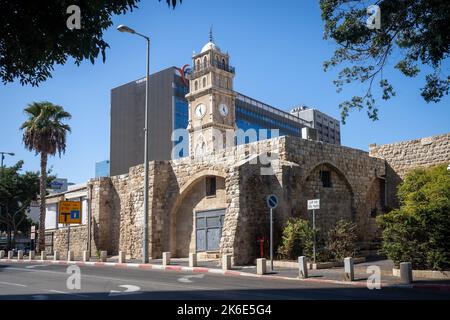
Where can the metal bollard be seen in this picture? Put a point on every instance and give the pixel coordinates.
(226, 262)
(122, 257)
(103, 256)
(166, 258)
(56, 255)
(192, 260)
(261, 266)
(302, 267)
(406, 276)
(349, 269)
(32, 255)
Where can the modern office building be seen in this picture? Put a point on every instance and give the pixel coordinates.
(169, 111)
(327, 128)
(102, 169)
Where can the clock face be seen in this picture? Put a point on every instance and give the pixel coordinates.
(200, 111)
(223, 109)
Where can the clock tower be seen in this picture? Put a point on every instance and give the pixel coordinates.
(211, 101)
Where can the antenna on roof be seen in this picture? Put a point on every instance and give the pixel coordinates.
(211, 38)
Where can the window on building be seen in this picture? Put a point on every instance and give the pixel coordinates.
(205, 62)
(210, 186)
(325, 176)
(196, 85)
(204, 82)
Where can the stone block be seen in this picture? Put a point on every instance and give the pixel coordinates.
(122, 257)
(31, 255)
(349, 269)
(56, 255)
(226, 262)
(85, 256)
(43, 255)
(302, 267)
(261, 266)
(20, 255)
(103, 256)
(10, 254)
(166, 258)
(406, 276)
(192, 260)
(2, 254)
(70, 256)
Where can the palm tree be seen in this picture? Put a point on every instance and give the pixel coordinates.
(45, 133)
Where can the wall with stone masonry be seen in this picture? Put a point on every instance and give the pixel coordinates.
(403, 156)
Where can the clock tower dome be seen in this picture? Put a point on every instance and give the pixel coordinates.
(211, 101)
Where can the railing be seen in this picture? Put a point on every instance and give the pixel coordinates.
(223, 66)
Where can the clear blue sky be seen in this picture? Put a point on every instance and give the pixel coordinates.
(276, 47)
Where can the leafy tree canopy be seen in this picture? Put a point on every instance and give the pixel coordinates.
(417, 31)
(420, 230)
(34, 35)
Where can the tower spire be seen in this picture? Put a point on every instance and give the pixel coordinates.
(211, 38)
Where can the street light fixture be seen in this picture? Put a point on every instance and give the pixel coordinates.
(123, 28)
(3, 156)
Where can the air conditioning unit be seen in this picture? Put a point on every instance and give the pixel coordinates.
(309, 134)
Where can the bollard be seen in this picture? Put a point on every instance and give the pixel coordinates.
(20, 255)
(226, 262)
(10, 254)
(103, 256)
(2, 254)
(121, 256)
(85, 256)
(261, 266)
(56, 255)
(406, 276)
(302, 267)
(192, 260)
(348, 269)
(69, 255)
(43, 255)
(166, 258)
(32, 254)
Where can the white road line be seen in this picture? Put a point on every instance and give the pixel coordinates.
(13, 284)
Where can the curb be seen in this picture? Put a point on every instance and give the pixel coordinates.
(222, 272)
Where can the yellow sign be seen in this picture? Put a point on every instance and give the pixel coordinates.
(69, 212)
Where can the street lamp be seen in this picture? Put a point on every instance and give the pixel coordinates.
(3, 156)
(123, 28)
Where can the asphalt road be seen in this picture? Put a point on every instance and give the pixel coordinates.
(48, 282)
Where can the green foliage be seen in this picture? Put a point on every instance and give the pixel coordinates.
(17, 190)
(35, 37)
(417, 31)
(420, 230)
(341, 240)
(297, 239)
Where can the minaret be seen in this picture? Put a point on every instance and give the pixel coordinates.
(211, 100)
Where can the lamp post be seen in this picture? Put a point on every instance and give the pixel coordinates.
(3, 156)
(123, 28)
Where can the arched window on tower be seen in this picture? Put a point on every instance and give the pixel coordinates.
(204, 82)
(223, 63)
(196, 85)
(205, 62)
(197, 64)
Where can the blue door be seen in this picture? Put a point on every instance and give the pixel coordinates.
(208, 225)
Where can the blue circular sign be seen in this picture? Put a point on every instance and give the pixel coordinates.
(272, 201)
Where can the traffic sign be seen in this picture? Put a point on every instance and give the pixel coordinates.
(69, 212)
(272, 201)
(33, 233)
(314, 204)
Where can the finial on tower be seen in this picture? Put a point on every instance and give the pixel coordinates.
(211, 38)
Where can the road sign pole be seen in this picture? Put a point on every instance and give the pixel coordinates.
(68, 238)
(314, 236)
(271, 240)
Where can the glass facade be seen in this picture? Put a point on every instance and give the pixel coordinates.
(102, 169)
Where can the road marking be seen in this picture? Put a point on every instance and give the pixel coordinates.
(187, 279)
(129, 289)
(35, 266)
(13, 284)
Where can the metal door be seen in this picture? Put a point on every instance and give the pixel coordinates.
(208, 225)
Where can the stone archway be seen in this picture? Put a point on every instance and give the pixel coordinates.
(326, 181)
(191, 199)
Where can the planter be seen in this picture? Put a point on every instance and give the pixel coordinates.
(426, 274)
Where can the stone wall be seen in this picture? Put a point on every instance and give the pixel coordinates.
(403, 156)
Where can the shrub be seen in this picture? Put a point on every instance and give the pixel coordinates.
(297, 239)
(419, 231)
(341, 240)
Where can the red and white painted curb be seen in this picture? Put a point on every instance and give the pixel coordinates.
(149, 266)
